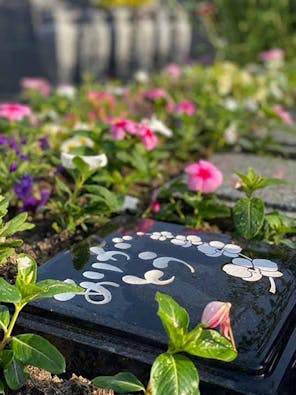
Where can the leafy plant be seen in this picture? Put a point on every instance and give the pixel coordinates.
(85, 203)
(9, 228)
(26, 349)
(172, 372)
(193, 209)
(249, 216)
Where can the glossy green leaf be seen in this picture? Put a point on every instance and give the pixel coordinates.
(27, 271)
(210, 344)
(174, 318)
(173, 375)
(51, 288)
(191, 339)
(80, 254)
(4, 317)
(5, 358)
(9, 293)
(15, 375)
(248, 216)
(35, 350)
(122, 383)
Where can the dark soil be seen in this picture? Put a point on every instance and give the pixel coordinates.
(43, 383)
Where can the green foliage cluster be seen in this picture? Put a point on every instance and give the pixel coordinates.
(9, 229)
(26, 349)
(174, 373)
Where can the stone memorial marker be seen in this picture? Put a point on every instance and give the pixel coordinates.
(123, 267)
(281, 197)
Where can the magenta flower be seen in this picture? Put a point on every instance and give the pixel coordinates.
(203, 177)
(173, 70)
(148, 138)
(155, 207)
(218, 314)
(185, 107)
(122, 127)
(40, 85)
(14, 112)
(156, 94)
(284, 115)
(272, 55)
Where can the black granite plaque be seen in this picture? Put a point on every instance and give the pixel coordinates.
(122, 268)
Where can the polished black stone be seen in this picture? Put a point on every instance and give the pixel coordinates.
(130, 260)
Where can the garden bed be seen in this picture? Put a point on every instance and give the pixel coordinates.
(72, 155)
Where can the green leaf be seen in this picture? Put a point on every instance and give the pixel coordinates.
(35, 350)
(174, 318)
(108, 197)
(192, 338)
(248, 216)
(63, 187)
(16, 224)
(11, 244)
(173, 375)
(210, 344)
(2, 387)
(122, 383)
(27, 271)
(4, 317)
(9, 293)
(268, 182)
(15, 375)
(5, 358)
(82, 167)
(51, 288)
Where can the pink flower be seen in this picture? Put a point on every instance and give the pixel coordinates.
(185, 107)
(271, 55)
(218, 314)
(284, 115)
(173, 70)
(204, 177)
(236, 182)
(14, 112)
(120, 128)
(156, 94)
(40, 85)
(148, 138)
(155, 207)
(98, 98)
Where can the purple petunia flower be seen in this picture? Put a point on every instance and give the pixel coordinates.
(43, 142)
(23, 188)
(13, 167)
(34, 204)
(3, 139)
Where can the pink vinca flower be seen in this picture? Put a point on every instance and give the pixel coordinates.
(185, 107)
(156, 94)
(40, 85)
(173, 70)
(284, 115)
(272, 55)
(14, 112)
(148, 138)
(155, 207)
(203, 177)
(218, 314)
(122, 127)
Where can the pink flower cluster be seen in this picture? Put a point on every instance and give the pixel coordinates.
(272, 55)
(14, 112)
(121, 128)
(40, 85)
(97, 98)
(173, 70)
(283, 114)
(185, 107)
(203, 177)
(156, 94)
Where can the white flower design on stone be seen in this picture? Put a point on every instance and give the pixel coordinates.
(254, 270)
(161, 236)
(218, 248)
(186, 241)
